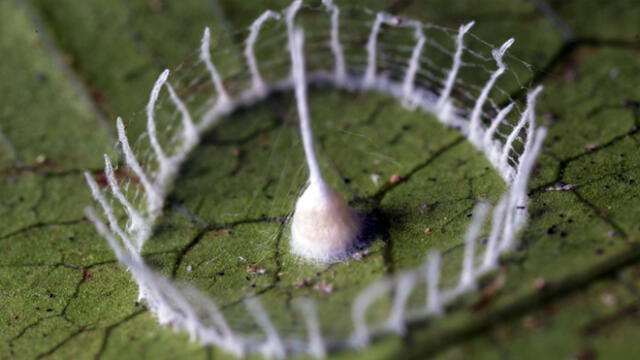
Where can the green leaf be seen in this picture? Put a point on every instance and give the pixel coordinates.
(69, 68)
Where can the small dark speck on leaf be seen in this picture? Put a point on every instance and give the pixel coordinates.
(585, 354)
(40, 78)
(631, 103)
(489, 292)
(531, 322)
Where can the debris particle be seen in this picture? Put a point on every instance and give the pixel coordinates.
(395, 178)
(609, 299)
(560, 186)
(156, 6)
(237, 152)
(242, 258)
(41, 159)
(40, 78)
(631, 104)
(424, 208)
(375, 178)
(489, 292)
(550, 118)
(530, 322)
(303, 283)
(189, 268)
(324, 288)
(360, 254)
(255, 270)
(585, 354)
(614, 72)
(591, 147)
(427, 230)
(539, 283)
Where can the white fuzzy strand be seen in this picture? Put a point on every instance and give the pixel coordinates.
(497, 226)
(443, 106)
(205, 56)
(151, 121)
(487, 141)
(296, 43)
(154, 198)
(467, 275)
(190, 133)
(108, 211)
(524, 119)
(372, 44)
(257, 82)
(361, 304)
(316, 346)
(336, 46)
(414, 65)
(475, 133)
(406, 282)
(138, 225)
(273, 346)
(432, 268)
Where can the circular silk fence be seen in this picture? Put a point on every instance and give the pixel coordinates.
(301, 176)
